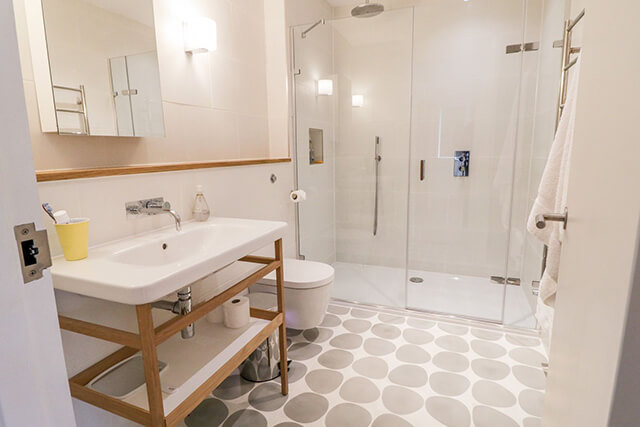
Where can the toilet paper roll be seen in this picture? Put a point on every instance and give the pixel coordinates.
(298, 196)
(236, 312)
(215, 316)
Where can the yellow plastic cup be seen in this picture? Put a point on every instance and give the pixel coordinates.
(74, 238)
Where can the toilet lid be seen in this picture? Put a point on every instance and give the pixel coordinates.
(301, 274)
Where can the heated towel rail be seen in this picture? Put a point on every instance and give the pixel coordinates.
(567, 63)
(82, 111)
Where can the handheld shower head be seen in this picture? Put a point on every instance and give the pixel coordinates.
(367, 10)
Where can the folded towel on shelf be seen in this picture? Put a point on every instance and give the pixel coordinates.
(552, 192)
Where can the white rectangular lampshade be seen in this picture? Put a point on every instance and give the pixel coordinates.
(200, 35)
(357, 100)
(325, 87)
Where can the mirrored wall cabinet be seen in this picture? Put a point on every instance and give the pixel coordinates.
(96, 67)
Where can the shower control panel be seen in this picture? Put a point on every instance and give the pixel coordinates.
(461, 163)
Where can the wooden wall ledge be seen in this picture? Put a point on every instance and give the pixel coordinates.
(62, 174)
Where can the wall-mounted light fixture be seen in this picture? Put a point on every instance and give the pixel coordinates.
(200, 35)
(325, 87)
(357, 100)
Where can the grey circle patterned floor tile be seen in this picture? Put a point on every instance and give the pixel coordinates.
(530, 377)
(297, 371)
(303, 351)
(411, 353)
(267, 397)
(401, 400)
(522, 340)
(452, 343)
(448, 411)
(324, 380)
(390, 420)
(388, 332)
(293, 332)
(348, 414)
(483, 416)
(531, 401)
(528, 356)
(362, 314)
(378, 347)
(288, 424)
(347, 341)
(336, 359)
(233, 387)
(306, 407)
(486, 334)
(488, 349)
(331, 321)
(493, 394)
(357, 326)
(391, 318)
(211, 412)
(449, 384)
(372, 367)
(246, 418)
(359, 390)
(337, 309)
(417, 336)
(532, 422)
(453, 362)
(317, 334)
(490, 369)
(453, 329)
(420, 323)
(408, 376)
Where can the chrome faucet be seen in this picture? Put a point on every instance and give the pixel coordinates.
(153, 206)
(182, 306)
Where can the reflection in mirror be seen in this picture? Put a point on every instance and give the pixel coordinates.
(104, 67)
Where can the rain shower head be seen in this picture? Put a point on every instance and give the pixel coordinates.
(367, 10)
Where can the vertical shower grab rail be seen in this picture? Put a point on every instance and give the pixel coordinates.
(378, 158)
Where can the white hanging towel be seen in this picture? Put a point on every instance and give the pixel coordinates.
(552, 192)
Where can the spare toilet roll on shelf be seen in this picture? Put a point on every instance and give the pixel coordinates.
(236, 312)
(297, 196)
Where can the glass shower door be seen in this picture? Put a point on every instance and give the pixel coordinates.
(353, 112)
(464, 132)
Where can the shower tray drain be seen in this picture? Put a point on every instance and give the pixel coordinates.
(416, 279)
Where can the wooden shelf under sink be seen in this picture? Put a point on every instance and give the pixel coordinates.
(196, 366)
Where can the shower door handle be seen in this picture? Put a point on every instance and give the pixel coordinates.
(422, 169)
(378, 158)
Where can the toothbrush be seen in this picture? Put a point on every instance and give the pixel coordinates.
(49, 210)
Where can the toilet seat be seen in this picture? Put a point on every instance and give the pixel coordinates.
(302, 274)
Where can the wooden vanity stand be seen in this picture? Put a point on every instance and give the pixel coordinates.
(149, 337)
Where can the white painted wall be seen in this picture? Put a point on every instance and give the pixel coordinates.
(598, 256)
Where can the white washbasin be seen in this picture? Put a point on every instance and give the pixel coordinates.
(146, 267)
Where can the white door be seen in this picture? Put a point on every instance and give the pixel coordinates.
(33, 383)
(599, 249)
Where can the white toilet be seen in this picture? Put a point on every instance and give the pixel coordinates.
(307, 292)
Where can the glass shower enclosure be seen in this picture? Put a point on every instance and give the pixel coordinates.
(407, 128)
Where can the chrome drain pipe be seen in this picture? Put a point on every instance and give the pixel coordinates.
(181, 307)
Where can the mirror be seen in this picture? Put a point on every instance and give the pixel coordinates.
(104, 67)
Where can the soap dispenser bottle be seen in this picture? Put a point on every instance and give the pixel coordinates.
(200, 206)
